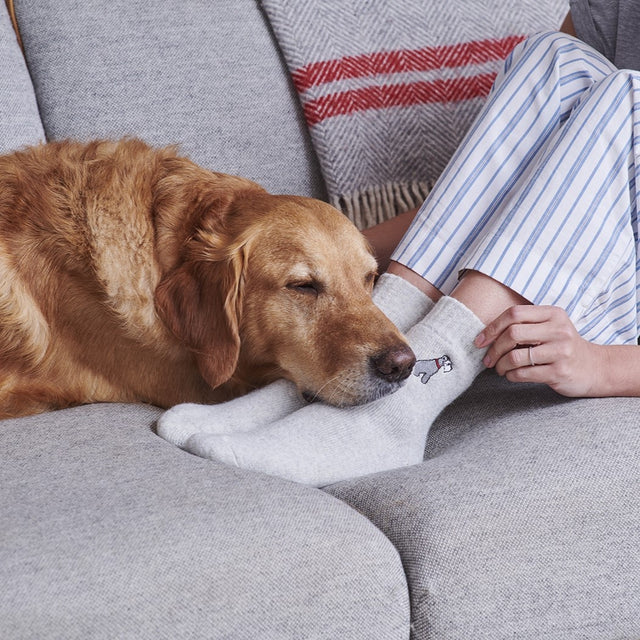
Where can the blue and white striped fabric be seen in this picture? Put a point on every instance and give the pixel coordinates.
(541, 194)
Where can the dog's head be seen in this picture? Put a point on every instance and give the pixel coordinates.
(269, 286)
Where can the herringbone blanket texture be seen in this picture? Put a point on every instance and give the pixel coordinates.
(389, 87)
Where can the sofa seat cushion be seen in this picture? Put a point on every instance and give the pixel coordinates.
(20, 123)
(108, 531)
(524, 520)
(205, 75)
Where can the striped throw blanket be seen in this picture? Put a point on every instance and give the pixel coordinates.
(389, 87)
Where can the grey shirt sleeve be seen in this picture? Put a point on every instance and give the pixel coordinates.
(612, 27)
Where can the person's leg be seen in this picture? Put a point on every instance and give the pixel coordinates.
(319, 444)
(533, 77)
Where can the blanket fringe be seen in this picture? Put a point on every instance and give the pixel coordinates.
(372, 205)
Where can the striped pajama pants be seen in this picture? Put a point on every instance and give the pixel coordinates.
(541, 194)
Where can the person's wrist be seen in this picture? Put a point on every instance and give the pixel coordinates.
(605, 383)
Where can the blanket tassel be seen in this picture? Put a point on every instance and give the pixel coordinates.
(371, 206)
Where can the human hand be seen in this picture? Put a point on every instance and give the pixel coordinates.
(529, 343)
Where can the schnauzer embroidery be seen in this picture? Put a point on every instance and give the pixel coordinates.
(424, 369)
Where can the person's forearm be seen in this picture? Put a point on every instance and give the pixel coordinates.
(384, 237)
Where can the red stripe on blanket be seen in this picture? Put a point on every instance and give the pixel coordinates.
(429, 58)
(397, 95)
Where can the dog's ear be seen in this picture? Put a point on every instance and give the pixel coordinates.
(200, 302)
(199, 297)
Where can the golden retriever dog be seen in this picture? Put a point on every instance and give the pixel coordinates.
(131, 274)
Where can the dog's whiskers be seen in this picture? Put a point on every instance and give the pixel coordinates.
(315, 396)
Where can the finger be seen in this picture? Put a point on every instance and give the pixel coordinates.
(543, 374)
(519, 335)
(519, 314)
(512, 360)
(529, 356)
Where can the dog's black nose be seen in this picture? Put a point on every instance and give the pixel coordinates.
(394, 364)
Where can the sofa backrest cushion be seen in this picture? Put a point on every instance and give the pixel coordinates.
(204, 75)
(19, 120)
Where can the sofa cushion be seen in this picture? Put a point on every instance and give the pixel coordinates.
(524, 520)
(205, 75)
(108, 531)
(19, 120)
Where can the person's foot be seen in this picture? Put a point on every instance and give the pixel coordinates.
(320, 444)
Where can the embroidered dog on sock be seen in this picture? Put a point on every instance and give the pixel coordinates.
(424, 369)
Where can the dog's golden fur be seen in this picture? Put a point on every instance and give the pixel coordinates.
(131, 274)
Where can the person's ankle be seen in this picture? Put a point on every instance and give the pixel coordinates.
(486, 297)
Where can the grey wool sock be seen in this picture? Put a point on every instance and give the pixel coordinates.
(399, 300)
(319, 444)
(257, 408)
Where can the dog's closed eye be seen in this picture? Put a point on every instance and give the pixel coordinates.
(310, 287)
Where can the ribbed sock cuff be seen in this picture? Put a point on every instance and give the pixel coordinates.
(453, 320)
(400, 301)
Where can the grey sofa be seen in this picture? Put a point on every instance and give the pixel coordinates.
(523, 521)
